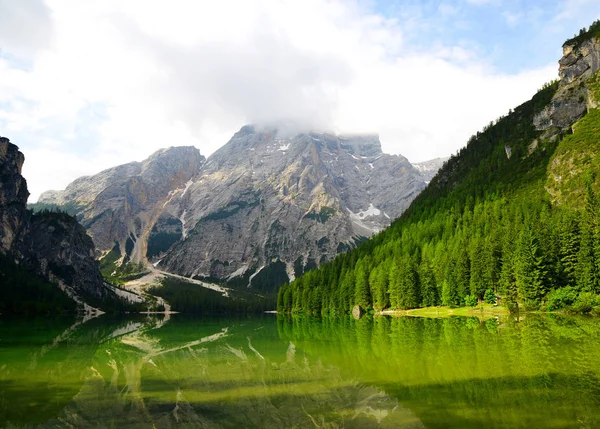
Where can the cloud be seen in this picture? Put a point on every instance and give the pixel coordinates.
(112, 81)
(26, 27)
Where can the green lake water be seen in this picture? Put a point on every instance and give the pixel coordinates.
(275, 372)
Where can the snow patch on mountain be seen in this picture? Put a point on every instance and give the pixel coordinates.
(371, 211)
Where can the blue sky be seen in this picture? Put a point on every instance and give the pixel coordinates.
(88, 85)
(512, 35)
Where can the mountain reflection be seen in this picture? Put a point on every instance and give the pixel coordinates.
(299, 372)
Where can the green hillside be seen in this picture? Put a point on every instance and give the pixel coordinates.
(515, 214)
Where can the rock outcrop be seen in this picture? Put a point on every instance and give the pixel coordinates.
(261, 210)
(52, 245)
(13, 195)
(571, 101)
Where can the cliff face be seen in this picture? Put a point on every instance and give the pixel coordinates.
(575, 162)
(279, 203)
(572, 100)
(53, 245)
(13, 195)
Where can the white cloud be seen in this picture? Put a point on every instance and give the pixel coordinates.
(113, 81)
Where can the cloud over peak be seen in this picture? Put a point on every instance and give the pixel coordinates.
(103, 82)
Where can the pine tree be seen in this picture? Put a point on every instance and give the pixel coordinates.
(588, 271)
(362, 295)
(378, 282)
(428, 286)
(530, 270)
(569, 237)
(394, 285)
(409, 291)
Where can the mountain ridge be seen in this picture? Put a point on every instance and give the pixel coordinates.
(331, 189)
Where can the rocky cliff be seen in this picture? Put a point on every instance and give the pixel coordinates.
(574, 109)
(282, 204)
(13, 196)
(261, 210)
(52, 245)
(580, 61)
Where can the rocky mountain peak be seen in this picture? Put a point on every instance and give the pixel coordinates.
(367, 145)
(269, 204)
(274, 198)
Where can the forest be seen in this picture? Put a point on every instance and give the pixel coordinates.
(190, 298)
(486, 227)
(34, 294)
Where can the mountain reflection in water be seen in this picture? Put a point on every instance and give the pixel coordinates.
(298, 372)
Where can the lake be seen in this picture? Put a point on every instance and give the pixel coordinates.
(277, 372)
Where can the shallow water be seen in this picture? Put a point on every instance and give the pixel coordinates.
(278, 372)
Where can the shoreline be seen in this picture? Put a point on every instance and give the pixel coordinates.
(485, 311)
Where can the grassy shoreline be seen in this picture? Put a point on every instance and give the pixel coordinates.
(484, 311)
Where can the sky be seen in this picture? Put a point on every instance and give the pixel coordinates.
(87, 85)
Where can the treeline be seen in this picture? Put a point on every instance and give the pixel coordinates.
(585, 34)
(485, 223)
(24, 293)
(70, 208)
(523, 250)
(191, 298)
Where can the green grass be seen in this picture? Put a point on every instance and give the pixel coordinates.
(574, 158)
(482, 311)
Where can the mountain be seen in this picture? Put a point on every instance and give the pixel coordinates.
(515, 214)
(429, 169)
(39, 249)
(119, 206)
(263, 209)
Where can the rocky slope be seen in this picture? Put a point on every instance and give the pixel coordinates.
(574, 111)
(277, 203)
(572, 100)
(53, 245)
(429, 169)
(119, 206)
(261, 210)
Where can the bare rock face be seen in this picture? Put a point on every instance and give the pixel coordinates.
(259, 211)
(53, 245)
(268, 206)
(13, 195)
(119, 206)
(428, 169)
(571, 101)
